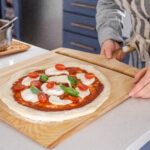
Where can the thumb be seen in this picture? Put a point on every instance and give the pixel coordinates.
(139, 75)
(108, 53)
(117, 45)
(102, 51)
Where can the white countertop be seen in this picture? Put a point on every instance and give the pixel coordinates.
(116, 130)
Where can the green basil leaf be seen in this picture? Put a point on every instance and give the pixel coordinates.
(34, 89)
(70, 91)
(72, 80)
(43, 77)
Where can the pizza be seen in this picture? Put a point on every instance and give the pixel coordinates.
(56, 93)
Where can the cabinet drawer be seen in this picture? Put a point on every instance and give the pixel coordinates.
(87, 7)
(80, 42)
(80, 24)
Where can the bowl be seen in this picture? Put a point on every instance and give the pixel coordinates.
(5, 35)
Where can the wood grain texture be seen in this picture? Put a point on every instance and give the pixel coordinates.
(100, 60)
(82, 26)
(15, 47)
(51, 134)
(84, 5)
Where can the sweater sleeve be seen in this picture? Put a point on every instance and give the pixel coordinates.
(109, 21)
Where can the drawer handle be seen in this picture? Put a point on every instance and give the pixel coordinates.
(83, 46)
(83, 5)
(82, 26)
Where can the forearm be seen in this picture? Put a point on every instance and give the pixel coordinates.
(109, 21)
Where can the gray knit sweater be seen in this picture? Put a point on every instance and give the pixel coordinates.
(109, 22)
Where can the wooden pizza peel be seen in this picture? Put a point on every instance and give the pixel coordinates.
(50, 134)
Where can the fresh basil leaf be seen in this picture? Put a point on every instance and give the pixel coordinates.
(43, 77)
(72, 80)
(70, 91)
(34, 89)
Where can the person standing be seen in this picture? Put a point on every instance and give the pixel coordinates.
(109, 27)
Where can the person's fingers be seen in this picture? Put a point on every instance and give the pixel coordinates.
(102, 51)
(140, 85)
(120, 56)
(123, 55)
(144, 93)
(108, 53)
(139, 75)
(117, 46)
(108, 47)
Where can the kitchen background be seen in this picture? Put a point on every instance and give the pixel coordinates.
(55, 23)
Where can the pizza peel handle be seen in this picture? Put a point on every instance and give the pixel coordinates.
(125, 49)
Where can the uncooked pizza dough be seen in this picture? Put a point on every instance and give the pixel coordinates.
(57, 76)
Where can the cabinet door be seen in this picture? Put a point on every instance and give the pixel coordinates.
(3, 6)
(16, 9)
(80, 42)
(80, 24)
(86, 7)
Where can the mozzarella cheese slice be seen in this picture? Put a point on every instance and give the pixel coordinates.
(83, 94)
(57, 101)
(56, 90)
(85, 81)
(60, 79)
(27, 95)
(26, 81)
(53, 71)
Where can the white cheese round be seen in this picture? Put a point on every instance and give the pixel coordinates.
(83, 94)
(85, 81)
(27, 95)
(53, 71)
(57, 101)
(56, 90)
(26, 81)
(60, 79)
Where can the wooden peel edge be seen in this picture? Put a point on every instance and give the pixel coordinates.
(111, 64)
(89, 120)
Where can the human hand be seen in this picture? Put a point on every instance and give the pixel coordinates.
(142, 84)
(109, 46)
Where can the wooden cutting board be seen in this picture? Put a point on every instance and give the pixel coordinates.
(51, 134)
(15, 47)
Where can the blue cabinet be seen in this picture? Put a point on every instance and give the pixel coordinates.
(79, 26)
(84, 25)
(17, 12)
(83, 7)
(81, 42)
